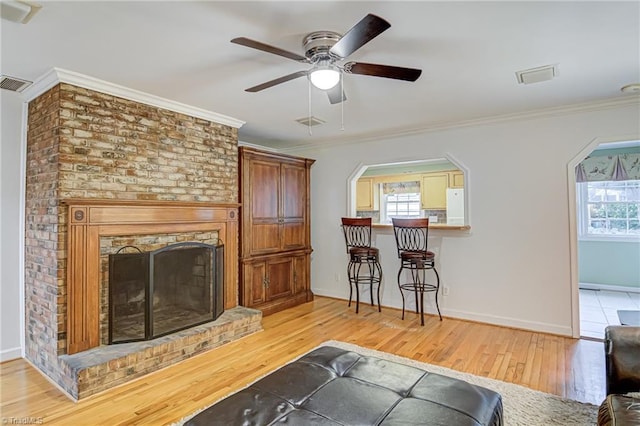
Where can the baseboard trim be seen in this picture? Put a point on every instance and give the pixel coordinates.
(510, 322)
(594, 286)
(535, 326)
(10, 354)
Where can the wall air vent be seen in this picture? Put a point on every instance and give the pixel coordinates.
(310, 121)
(13, 84)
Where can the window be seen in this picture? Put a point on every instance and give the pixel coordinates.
(609, 209)
(404, 205)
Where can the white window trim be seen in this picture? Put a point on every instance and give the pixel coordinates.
(581, 195)
(383, 209)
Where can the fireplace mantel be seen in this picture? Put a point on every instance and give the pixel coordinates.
(89, 220)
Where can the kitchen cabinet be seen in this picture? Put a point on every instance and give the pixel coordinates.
(434, 188)
(275, 243)
(366, 194)
(433, 191)
(456, 179)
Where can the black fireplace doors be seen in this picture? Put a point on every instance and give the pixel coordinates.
(159, 292)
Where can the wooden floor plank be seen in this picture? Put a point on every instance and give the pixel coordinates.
(567, 367)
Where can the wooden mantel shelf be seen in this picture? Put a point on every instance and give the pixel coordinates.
(107, 202)
(91, 219)
(116, 212)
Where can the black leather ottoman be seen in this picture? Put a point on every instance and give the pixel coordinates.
(331, 386)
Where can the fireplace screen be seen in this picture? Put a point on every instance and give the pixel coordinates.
(159, 292)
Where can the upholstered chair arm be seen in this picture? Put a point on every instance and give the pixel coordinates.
(622, 356)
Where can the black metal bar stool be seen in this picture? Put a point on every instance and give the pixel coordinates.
(411, 240)
(357, 235)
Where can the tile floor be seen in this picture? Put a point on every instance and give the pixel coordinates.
(598, 308)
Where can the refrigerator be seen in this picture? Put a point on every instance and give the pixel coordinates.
(455, 206)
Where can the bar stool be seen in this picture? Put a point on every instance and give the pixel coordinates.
(357, 235)
(411, 240)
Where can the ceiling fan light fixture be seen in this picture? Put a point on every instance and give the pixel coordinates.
(324, 77)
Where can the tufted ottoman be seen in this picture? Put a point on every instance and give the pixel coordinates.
(332, 386)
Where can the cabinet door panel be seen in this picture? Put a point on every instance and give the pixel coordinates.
(364, 194)
(456, 180)
(293, 235)
(300, 274)
(263, 186)
(254, 275)
(293, 191)
(280, 278)
(434, 190)
(265, 238)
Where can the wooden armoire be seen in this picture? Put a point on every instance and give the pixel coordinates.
(275, 237)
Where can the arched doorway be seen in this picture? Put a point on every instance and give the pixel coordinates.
(604, 203)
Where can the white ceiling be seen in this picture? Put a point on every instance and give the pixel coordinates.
(468, 51)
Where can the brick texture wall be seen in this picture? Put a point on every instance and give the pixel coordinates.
(86, 144)
(43, 252)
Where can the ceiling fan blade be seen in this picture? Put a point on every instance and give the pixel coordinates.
(364, 31)
(387, 71)
(271, 83)
(243, 41)
(336, 95)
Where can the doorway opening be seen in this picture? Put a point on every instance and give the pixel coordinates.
(607, 231)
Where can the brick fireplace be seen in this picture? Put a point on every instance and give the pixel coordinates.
(103, 170)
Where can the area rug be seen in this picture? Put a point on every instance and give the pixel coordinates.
(522, 406)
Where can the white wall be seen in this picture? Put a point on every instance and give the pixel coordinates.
(513, 267)
(10, 212)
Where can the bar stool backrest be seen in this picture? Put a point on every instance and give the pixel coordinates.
(357, 232)
(411, 235)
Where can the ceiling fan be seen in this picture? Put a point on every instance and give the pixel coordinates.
(324, 49)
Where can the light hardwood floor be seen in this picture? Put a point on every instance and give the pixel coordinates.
(567, 367)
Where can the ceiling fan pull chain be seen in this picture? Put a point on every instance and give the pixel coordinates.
(342, 101)
(309, 116)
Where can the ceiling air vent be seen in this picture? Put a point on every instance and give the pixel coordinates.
(310, 121)
(18, 10)
(536, 75)
(13, 84)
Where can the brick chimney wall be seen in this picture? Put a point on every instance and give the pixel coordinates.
(86, 144)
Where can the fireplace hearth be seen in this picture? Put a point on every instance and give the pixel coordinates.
(155, 293)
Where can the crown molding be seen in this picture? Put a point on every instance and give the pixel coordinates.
(631, 100)
(57, 75)
(255, 146)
